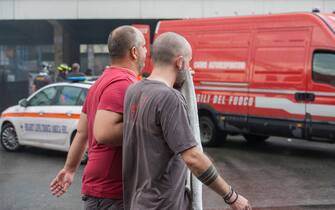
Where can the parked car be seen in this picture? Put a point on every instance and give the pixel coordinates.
(46, 119)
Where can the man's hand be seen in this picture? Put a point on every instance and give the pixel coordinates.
(241, 204)
(61, 183)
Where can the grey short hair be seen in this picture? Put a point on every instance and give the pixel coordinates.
(168, 46)
(121, 39)
(75, 67)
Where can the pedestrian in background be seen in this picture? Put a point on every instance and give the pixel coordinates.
(75, 72)
(42, 78)
(101, 121)
(88, 72)
(62, 72)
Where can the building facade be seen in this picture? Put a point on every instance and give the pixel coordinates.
(151, 9)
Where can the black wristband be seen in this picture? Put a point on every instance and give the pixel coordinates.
(229, 195)
(230, 203)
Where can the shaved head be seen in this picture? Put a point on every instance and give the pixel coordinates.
(168, 46)
(122, 39)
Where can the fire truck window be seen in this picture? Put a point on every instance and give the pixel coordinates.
(324, 68)
(68, 96)
(44, 97)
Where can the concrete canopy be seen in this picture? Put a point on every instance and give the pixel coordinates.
(30, 32)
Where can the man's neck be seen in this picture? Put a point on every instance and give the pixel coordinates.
(126, 64)
(166, 76)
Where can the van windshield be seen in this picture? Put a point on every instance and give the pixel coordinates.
(330, 20)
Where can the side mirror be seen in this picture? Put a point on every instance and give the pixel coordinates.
(23, 102)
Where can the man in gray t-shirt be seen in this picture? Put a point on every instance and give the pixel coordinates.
(157, 138)
(156, 132)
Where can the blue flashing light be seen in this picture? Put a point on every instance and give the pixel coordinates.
(76, 78)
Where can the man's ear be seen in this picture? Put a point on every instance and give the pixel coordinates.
(179, 62)
(133, 53)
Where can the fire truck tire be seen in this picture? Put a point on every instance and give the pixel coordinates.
(8, 138)
(210, 134)
(254, 139)
(85, 157)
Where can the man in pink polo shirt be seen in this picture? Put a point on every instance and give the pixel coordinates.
(101, 121)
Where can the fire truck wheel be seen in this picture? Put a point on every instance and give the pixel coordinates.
(251, 138)
(85, 157)
(9, 138)
(210, 134)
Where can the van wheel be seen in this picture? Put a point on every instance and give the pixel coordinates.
(210, 134)
(85, 157)
(9, 139)
(254, 139)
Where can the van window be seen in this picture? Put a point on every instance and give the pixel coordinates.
(324, 68)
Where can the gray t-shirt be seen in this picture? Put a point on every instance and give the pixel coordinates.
(156, 131)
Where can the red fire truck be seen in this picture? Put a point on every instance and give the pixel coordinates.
(261, 76)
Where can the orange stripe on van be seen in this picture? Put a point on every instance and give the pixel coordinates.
(45, 115)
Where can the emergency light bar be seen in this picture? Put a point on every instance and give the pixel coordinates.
(82, 78)
(76, 78)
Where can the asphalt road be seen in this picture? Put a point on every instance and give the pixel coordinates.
(281, 174)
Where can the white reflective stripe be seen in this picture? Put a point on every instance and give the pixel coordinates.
(233, 89)
(321, 110)
(254, 90)
(322, 93)
(224, 83)
(295, 108)
(280, 103)
(290, 92)
(221, 88)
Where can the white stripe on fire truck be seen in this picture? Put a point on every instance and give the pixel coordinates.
(245, 90)
(254, 90)
(321, 110)
(225, 83)
(322, 93)
(280, 103)
(295, 108)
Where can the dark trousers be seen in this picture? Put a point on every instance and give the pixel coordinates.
(93, 203)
